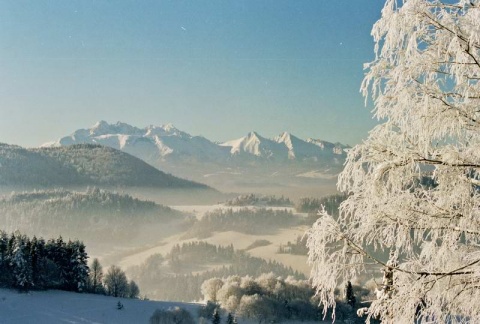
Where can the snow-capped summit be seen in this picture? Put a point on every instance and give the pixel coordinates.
(171, 149)
(152, 143)
(165, 130)
(336, 148)
(256, 145)
(104, 128)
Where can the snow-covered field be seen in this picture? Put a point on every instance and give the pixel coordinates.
(60, 307)
(50, 307)
(239, 241)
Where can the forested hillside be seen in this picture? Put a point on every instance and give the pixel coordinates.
(179, 274)
(87, 215)
(245, 220)
(81, 165)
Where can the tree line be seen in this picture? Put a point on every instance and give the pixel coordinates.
(244, 220)
(253, 200)
(35, 264)
(110, 215)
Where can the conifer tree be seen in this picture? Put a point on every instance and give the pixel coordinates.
(349, 295)
(21, 264)
(216, 317)
(229, 318)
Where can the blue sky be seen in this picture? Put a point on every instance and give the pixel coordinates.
(217, 68)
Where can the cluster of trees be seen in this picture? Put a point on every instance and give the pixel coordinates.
(38, 264)
(265, 298)
(179, 275)
(257, 243)
(190, 254)
(27, 264)
(212, 313)
(314, 205)
(299, 247)
(174, 315)
(244, 220)
(109, 215)
(254, 200)
(114, 283)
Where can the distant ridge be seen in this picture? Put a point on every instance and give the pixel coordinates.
(156, 144)
(81, 165)
(247, 164)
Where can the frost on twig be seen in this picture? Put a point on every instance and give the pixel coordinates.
(413, 184)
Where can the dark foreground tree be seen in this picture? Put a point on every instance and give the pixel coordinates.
(95, 278)
(133, 290)
(116, 283)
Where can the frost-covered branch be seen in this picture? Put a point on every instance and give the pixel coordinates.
(413, 184)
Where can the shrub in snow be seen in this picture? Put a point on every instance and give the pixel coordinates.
(174, 315)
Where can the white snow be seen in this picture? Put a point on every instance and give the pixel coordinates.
(54, 306)
(158, 142)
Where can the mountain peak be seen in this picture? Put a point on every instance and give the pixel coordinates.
(160, 145)
(104, 128)
(253, 134)
(283, 137)
(165, 130)
(100, 123)
(169, 127)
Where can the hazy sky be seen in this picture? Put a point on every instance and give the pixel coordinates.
(217, 68)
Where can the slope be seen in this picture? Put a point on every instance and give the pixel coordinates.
(81, 165)
(54, 306)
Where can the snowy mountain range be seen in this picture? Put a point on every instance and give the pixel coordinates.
(157, 144)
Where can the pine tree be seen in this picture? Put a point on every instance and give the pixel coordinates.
(216, 317)
(77, 267)
(21, 264)
(349, 295)
(230, 319)
(4, 258)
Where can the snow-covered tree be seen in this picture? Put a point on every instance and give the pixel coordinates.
(77, 268)
(21, 263)
(210, 288)
(413, 184)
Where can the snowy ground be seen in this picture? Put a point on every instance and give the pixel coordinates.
(53, 306)
(65, 307)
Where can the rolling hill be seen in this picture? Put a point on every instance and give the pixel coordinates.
(82, 165)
